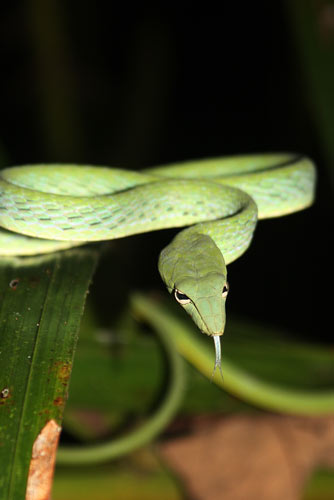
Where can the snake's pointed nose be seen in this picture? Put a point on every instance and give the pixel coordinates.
(212, 313)
(218, 328)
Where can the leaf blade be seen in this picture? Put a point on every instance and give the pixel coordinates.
(39, 321)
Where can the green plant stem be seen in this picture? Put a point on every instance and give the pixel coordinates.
(312, 29)
(87, 455)
(55, 82)
(236, 381)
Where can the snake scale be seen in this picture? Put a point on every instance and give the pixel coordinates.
(44, 208)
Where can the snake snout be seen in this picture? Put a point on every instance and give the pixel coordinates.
(213, 316)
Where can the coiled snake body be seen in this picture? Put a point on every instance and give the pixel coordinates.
(58, 206)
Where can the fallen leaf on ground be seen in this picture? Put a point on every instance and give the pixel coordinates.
(266, 457)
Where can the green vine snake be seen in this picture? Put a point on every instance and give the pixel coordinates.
(45, 208)
(58, 206)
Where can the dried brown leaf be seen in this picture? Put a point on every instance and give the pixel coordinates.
(255, 457)
(43, 462)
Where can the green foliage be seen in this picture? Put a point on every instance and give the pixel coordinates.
(42, 302)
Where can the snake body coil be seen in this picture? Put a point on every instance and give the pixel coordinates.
(58, 206)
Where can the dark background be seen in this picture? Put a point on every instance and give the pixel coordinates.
(113, 84)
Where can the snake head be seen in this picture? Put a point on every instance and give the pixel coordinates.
(194, 269)
(204, 300)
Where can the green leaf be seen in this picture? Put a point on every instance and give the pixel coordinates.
(41, 301)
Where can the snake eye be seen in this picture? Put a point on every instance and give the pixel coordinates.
(225, 290)
(181, 297)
